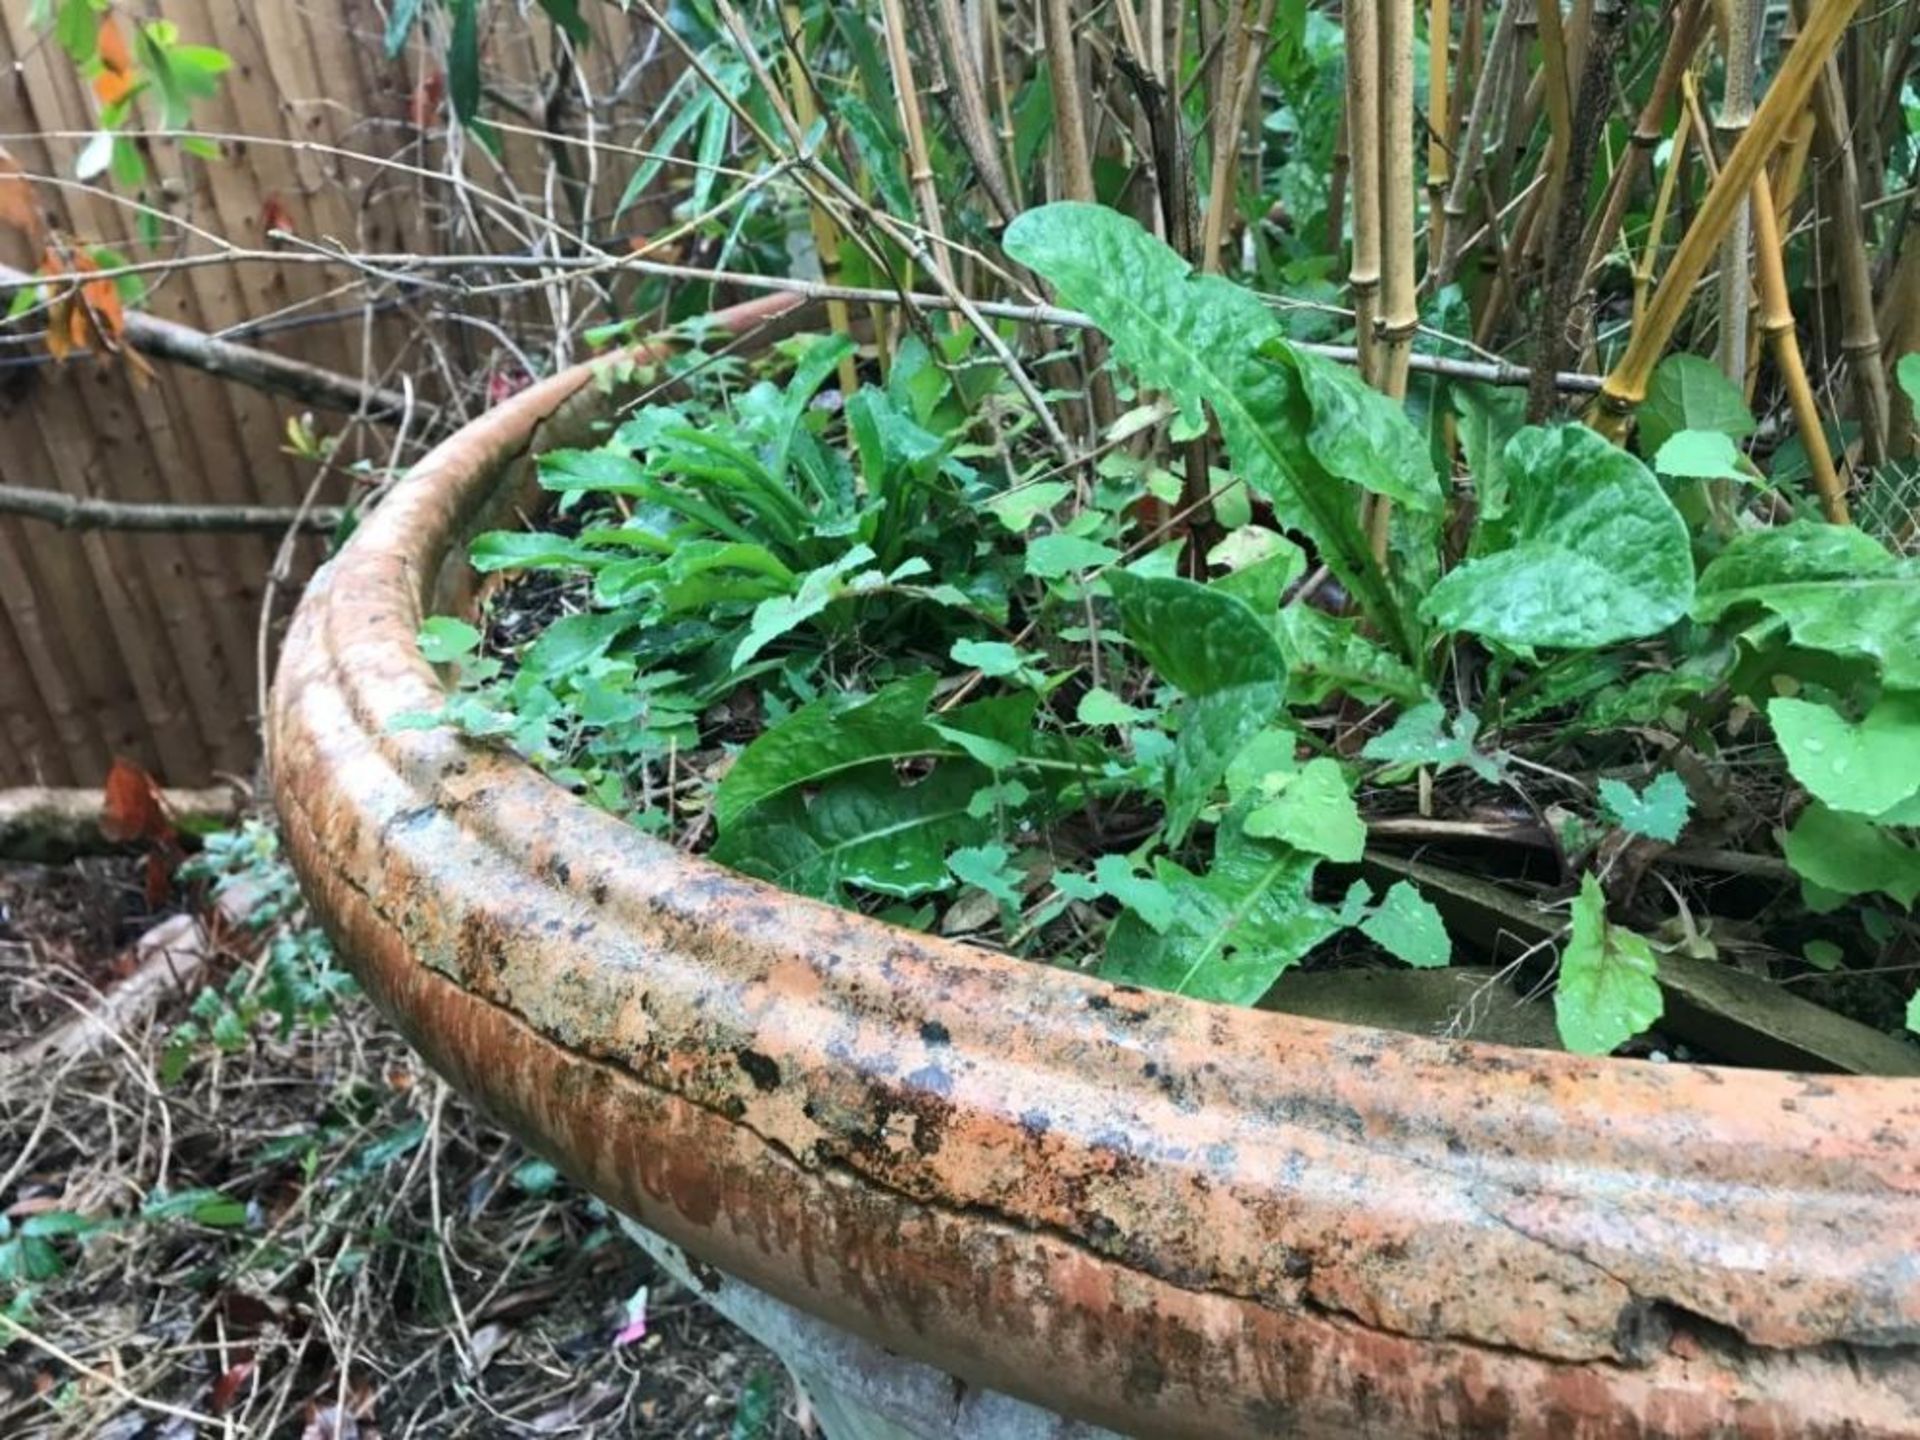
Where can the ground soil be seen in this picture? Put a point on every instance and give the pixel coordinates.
(369, 1257)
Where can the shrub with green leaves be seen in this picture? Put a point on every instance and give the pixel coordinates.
(888, 649)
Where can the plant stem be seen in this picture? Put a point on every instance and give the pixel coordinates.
(1363, 144)
(1736, 112)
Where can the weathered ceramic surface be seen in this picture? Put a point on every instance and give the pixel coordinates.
(1166, 1217)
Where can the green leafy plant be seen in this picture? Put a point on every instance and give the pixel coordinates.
(888, 648)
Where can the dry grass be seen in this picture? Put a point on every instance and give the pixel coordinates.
(310, 1235)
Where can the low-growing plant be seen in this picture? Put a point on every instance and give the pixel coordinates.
(890, 649)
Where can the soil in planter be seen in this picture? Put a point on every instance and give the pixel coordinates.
(892, 650)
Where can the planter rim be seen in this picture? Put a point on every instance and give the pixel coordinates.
(1154, 1213)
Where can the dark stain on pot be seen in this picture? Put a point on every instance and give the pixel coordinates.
(934, 1033)
(761, 1069)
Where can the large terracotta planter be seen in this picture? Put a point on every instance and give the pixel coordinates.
(1166, 1217)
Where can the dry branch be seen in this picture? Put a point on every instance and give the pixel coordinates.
(263, 370)
(83, 512)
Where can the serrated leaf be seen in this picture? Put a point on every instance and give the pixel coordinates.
(864, 829)
(1051, 556)
(1836, 588)
(1408, 927)
(1850, 855)
(1144, 895)
(1689, 393)
(1869, 768)
(1213, 648)
(779, 614)
(1234, 930)
(1658, 812)
(1327, 654)
(1606, 993)
(1207, 342)
(1311, 809)
(1596, 554)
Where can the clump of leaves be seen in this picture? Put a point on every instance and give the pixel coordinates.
(886, 649)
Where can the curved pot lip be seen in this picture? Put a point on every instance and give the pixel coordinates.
(1148, 1210)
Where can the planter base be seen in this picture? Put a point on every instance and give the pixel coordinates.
(858, 1390)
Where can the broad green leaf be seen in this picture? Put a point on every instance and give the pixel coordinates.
(1908, 374)
(1051, 556)
(829, 737)
(608, 470)
(574, 641)
(1658, 812)
(1361, 436)
(779, 614)
(1850, 855)
(1597, 552)
(1310, 808)
(1233, 931)
(1689, 393)
(528, 550)
(1198, 639)
(1701, 455)
(864, 829)
(444, 640)
(1214, 649)
(1424, 735)
(1868, 768)
(1913, 1001)
(1836, 588)
(1407, 927)
(1606, 993)
(1207, 341)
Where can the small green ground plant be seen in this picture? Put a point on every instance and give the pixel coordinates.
(891, 649)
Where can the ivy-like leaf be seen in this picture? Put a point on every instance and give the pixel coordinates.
(1311, 809)
(1207, 341)
(1408, 927)
(1658, 812)
(1689, 393)
(1598, 554)
(1606, 993)
(1869, 768)
(1424, 736)
(1701, 455)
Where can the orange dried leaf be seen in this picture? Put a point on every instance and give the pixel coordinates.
(133, 808)
(17, 209)
(116, 77)
(274, 216)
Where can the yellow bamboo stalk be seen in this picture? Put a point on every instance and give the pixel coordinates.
(1439, 36)
(1626, 386)
(826, 235)
(919, 160)
(1399, 304)
(1776, 324)
(1657, 225)
(1363, 147)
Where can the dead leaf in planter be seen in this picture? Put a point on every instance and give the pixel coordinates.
(117, 76)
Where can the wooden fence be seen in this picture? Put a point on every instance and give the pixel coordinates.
(148, 645)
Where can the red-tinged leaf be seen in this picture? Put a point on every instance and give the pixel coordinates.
(133, 809)
(17, 208)
(227, 1388)
(424, 108)
(274, 216)
(159, 879)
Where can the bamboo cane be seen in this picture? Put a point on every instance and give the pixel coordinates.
(1461, 185)
(1363, 145)
(1776, 323)
(1399, 305)
(1439, 36)
(1736, 112)
(826, 235)
(1626, 386)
